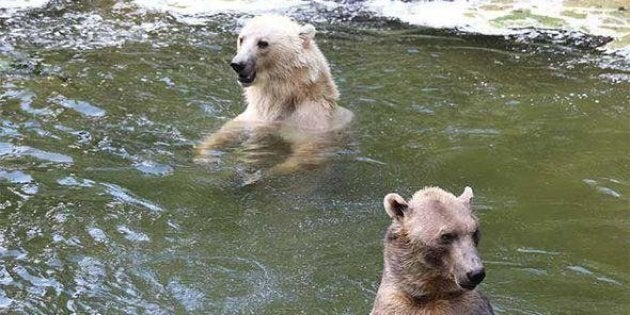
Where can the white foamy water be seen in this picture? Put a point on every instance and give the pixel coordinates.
(494, 17)
(9, 7)
(481, 16)
(22, 4)
(192, 7)
(197, 12)
(437, 14)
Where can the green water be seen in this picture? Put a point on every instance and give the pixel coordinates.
(103, 210)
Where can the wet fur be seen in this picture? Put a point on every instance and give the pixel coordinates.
(416, 276)
(293, 95)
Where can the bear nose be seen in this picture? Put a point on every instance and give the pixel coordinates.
(237, 66)
(476, 276)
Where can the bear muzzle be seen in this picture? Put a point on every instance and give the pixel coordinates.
(246, 71)
(472, 279)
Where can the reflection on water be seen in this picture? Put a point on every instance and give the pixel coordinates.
(103, 208)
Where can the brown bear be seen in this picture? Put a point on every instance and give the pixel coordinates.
(431, 261)
(289, 91)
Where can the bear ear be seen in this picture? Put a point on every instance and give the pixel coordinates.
(395, 206)
(307, 33)
(467, 196)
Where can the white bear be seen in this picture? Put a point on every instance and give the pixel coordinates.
(289, 92)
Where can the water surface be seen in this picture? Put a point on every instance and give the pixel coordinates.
(103, 210)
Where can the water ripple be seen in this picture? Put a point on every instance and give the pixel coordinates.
(25, 97)
(601, 188)
(7, 149)
(153, 168)
(125, 196)
(73, 181)
(15, 177)
(82, 107)
(39, 284)
(132, 235)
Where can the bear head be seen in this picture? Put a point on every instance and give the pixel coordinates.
(431, 244)
(273, 47)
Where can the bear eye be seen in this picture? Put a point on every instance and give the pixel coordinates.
(262, 44)
(447, 238)
(240, 40)
(476, 235)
